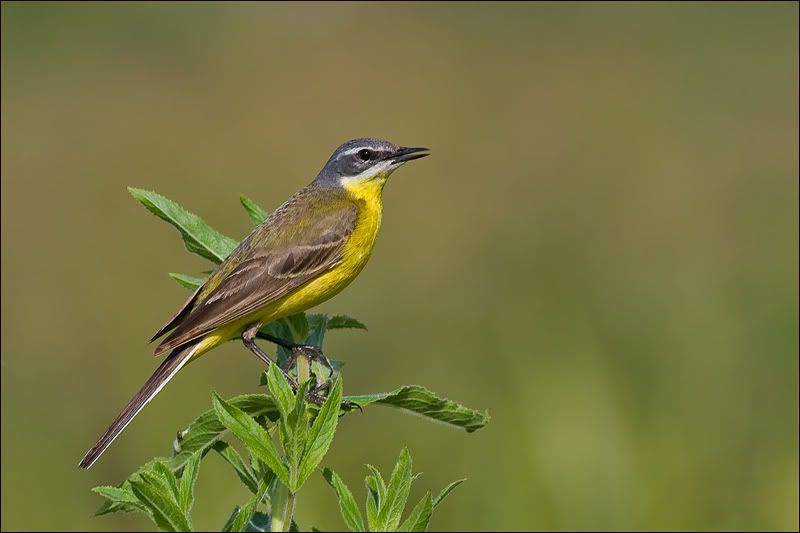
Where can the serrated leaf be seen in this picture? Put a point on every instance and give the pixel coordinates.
(259, 468)
(347, 504)
(254, 211)
(206, 429)
(189, 282)
(396, 493)
(373, 502)
(321, 433)
(380, 484)
(420, 515)
(242, 519)
(122, 496)
(118, 506)
(201, 434)
(376, 496)
(445, 491)
(167, 475)
(232, 457)
(280, 390)
(154, 491)
(295, 428)
(420, 400)
(108, 507)
(188, 479)
(198, 236)
(256, 438)
(344, 321)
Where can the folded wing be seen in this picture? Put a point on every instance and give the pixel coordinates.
(295, 245)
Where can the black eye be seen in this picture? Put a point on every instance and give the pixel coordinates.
(364, 154)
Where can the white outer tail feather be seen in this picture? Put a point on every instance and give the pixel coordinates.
(163, 374)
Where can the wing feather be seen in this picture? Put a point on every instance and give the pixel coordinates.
(285, 252)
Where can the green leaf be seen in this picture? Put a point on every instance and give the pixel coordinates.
(201, 434)
(256, 438)
(263, 522)
(445, 491)
(344, 321)
(420, 516)
(321, 433)
(244, 516)
(154, 491)
(374, 501)
(317, 325)
(198, 236)
(122, 506)
(380, 485)
(254, 211)
(167, 475)
(260, 468)
(347, 504)
(376, 496)
(206, 429)
(421, 401)
(227, 452)
(188, 479)
(396, 493)
(280, 390)
(123, 497)
(190, 282)
(298, 325)
(295, 431)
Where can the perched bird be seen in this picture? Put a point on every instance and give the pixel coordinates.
(307, 251)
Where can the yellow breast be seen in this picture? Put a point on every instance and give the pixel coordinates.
(367, 197)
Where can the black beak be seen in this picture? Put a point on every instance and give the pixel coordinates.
(404, 154)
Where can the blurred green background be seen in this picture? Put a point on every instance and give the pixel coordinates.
(602, 250)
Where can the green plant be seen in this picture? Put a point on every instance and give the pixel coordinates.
(385, 502)
(285, 436)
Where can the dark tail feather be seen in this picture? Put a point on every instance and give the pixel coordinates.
(169, 367)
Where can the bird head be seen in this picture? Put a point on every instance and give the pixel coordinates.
(363, 161)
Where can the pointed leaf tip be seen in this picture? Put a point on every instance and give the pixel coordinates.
(255, 212)
(198, 236)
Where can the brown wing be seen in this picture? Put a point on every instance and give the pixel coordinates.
(180, 315)
(276, 258)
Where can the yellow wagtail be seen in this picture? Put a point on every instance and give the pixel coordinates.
(307, 251)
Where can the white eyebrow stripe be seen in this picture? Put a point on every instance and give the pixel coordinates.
(353, 150)
(359, 148)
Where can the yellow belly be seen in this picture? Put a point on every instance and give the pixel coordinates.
(354, 257)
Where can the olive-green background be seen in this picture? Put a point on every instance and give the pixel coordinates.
(602, 249)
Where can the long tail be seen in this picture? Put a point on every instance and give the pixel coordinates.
(169, 367)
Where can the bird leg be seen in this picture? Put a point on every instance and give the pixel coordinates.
(311, 352)
(248, 338)
(317, 394)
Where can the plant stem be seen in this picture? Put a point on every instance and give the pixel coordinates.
(287, 519)
(279, 499)
(303, 369)
(303, 375)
